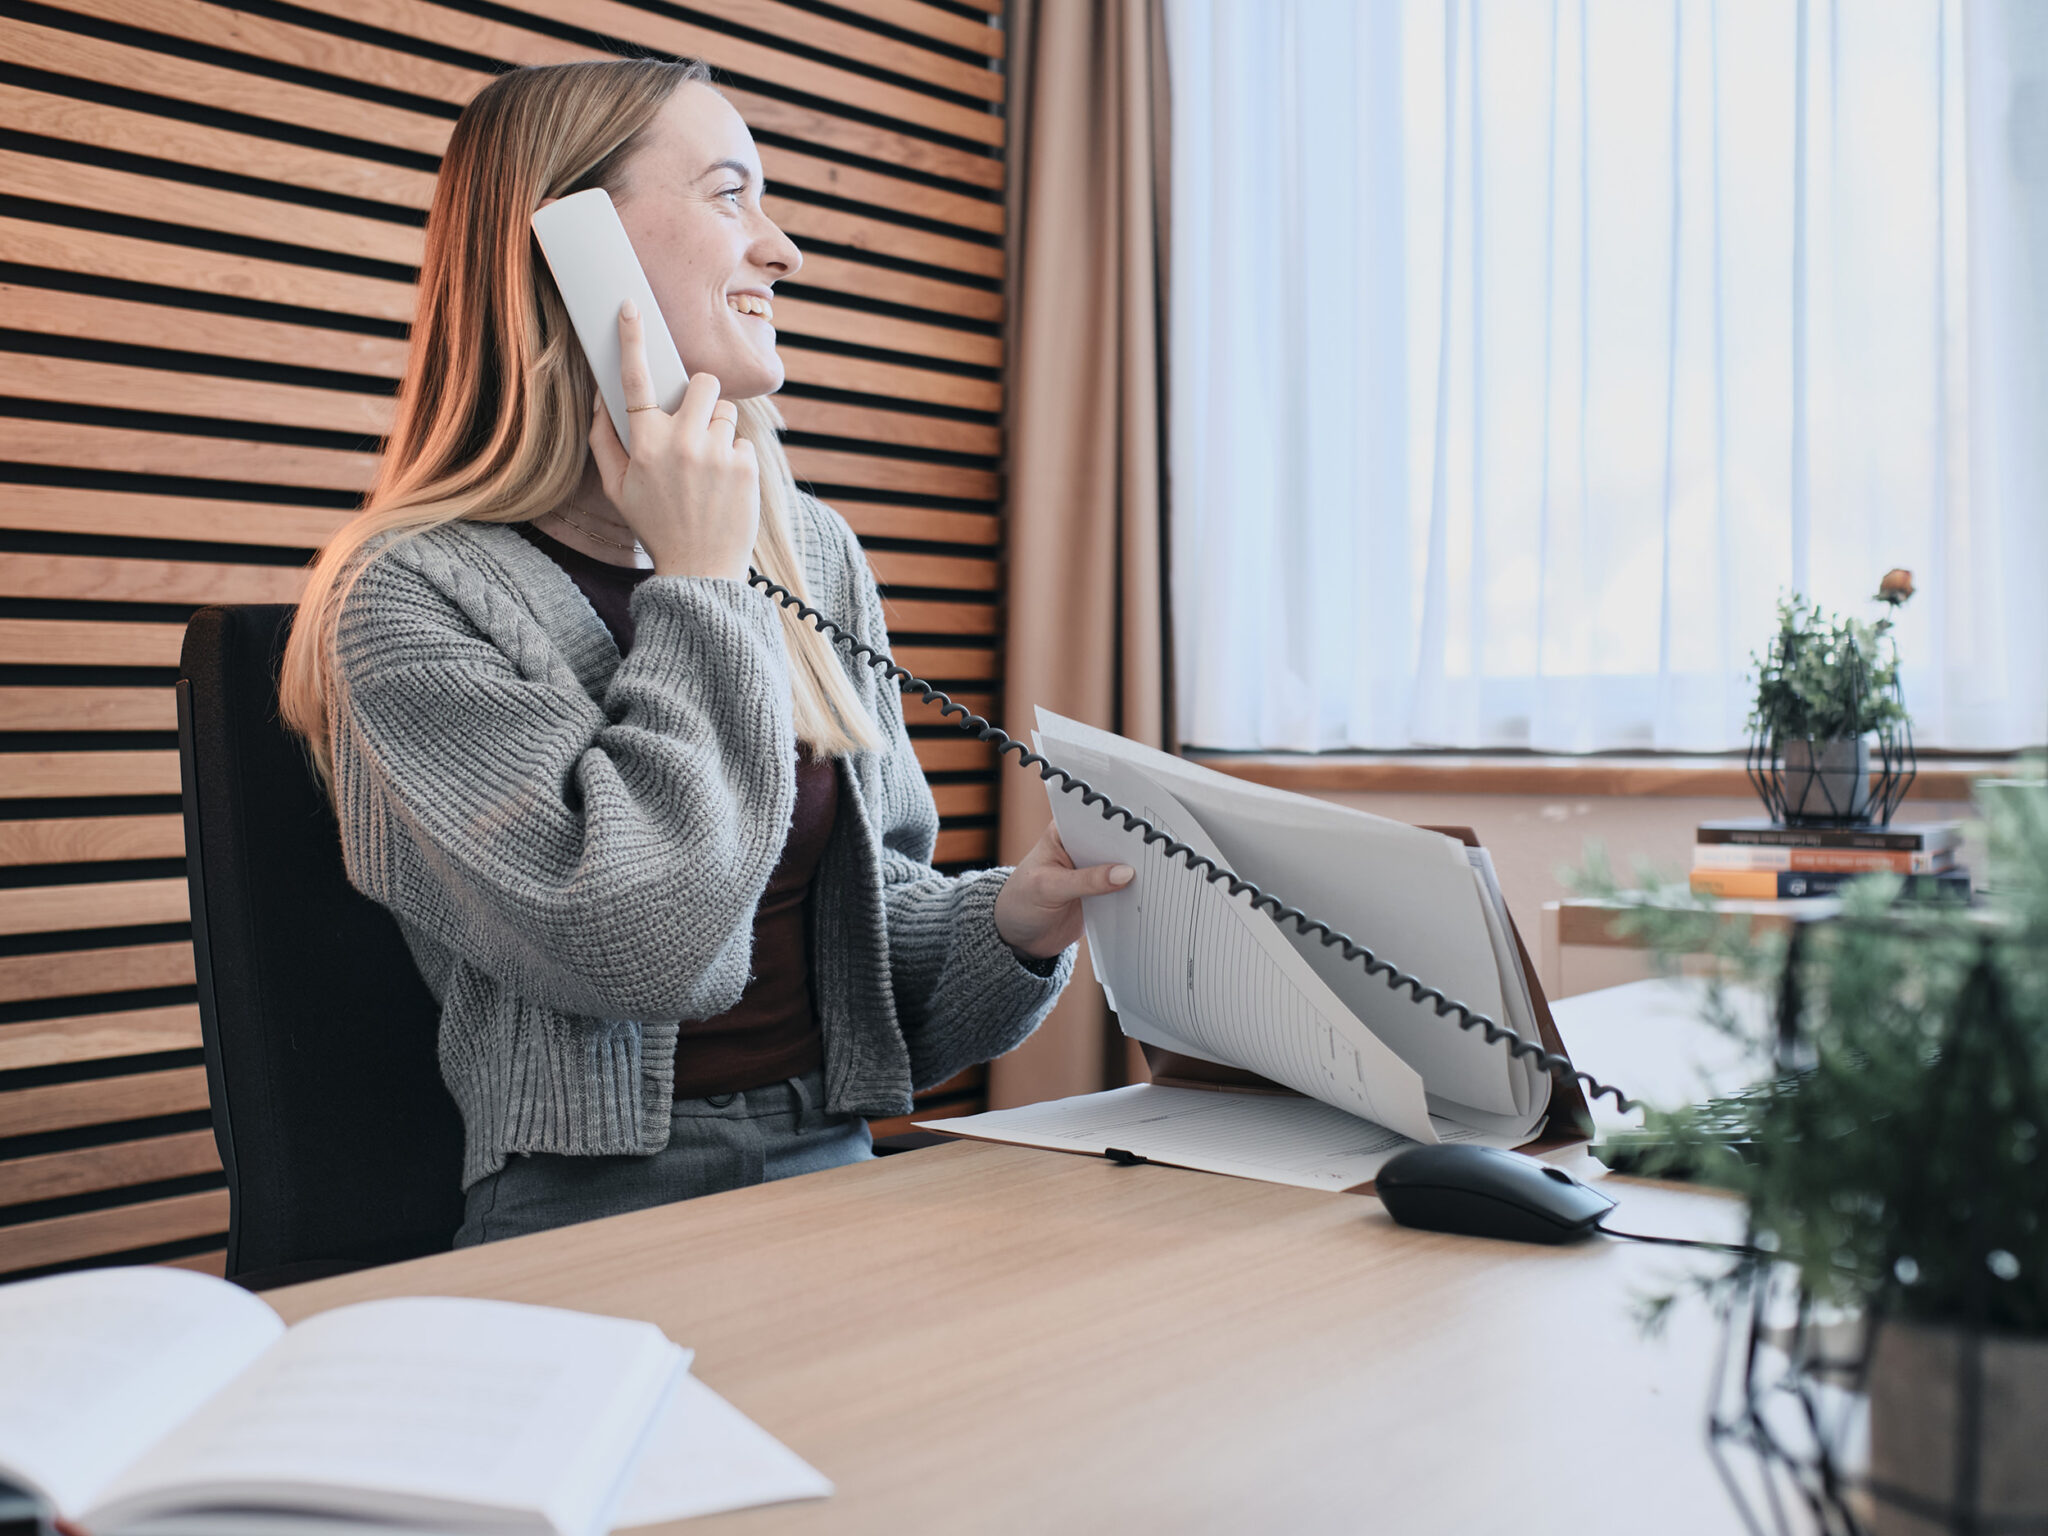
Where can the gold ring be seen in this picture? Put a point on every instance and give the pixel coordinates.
(632, 408)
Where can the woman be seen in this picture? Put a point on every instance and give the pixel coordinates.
(661, 854)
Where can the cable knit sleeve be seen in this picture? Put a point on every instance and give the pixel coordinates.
(963, 996)
(603, 857)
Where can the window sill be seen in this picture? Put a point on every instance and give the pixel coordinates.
(1706, 778)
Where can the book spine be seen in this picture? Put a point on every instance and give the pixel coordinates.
(1822, 860)
(1902, 839)
(1789, 884)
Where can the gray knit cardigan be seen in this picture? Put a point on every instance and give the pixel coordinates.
(574, 844)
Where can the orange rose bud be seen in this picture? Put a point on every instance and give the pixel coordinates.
(1896, 587)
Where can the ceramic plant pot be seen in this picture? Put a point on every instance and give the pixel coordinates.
(1827, 779)
(1928, 1472)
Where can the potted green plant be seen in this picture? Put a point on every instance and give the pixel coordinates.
(1824, 685)
(1896, 1157)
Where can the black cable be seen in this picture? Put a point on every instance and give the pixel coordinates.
(1685, 1242)
(1558, 1066)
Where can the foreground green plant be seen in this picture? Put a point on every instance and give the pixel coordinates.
(1895, 1149)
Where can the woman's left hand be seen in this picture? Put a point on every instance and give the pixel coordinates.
(1038, 910)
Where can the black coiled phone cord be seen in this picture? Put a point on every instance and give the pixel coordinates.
(1558, 1066)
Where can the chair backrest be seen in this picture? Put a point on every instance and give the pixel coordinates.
(342, 1147)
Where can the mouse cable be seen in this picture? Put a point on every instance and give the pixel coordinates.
(1557, 1065)
(1686, 1242)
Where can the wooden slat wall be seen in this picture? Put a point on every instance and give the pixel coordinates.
(210, 223)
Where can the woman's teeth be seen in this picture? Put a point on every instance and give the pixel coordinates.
(751, 304)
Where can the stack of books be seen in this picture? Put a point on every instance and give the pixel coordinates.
(1768, 861)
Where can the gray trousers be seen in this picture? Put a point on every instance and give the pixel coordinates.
(725, 1142)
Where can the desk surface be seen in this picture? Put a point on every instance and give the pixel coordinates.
(1001, 1339)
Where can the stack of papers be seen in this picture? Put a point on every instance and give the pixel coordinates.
(1191, 969)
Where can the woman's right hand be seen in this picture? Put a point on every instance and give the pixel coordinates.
(690, 490)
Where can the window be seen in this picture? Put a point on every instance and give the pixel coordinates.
(1523, 354)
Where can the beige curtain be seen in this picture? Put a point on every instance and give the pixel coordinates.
(1085, 631)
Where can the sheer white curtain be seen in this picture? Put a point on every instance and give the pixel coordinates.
(1522, 353)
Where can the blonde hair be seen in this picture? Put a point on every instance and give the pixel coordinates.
(496, 400)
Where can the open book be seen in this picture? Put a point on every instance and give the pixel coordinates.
(1193, 971)
(159, 1402)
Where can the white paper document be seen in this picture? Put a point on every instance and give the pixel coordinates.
(1189, 968)
(1274, 1137)
(1192, 969)
(1413, 896)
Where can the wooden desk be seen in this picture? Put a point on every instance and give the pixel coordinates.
(994, 1338)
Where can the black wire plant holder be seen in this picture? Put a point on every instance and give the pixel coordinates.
(1782, 1413)
(1797, 1409)
(1790, 1413)
(1824, 793)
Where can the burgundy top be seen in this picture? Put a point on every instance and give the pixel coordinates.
(609, 587)
(771, 1033)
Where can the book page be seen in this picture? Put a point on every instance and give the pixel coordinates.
(433, 1410)
(1272, 1137)
(1188, 965)
(275, 1522)
(704, 1456)
(1405, 893)
(102, 1364)
(701, 1456)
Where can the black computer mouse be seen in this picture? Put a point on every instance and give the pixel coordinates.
(1485, 1192)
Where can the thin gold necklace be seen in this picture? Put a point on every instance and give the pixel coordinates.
(591, 533)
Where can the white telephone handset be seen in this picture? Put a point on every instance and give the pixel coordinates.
(596, 270)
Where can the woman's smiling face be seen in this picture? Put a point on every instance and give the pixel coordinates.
(691, 202)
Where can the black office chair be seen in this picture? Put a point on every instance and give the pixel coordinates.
(341, 1144)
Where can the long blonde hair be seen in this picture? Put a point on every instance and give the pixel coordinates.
(496, 400)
